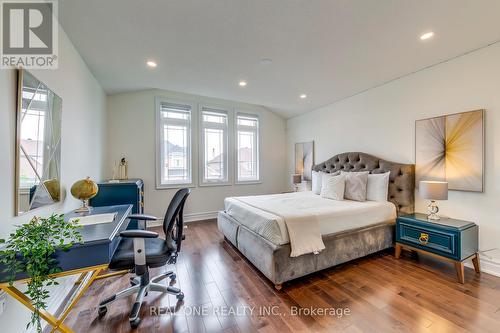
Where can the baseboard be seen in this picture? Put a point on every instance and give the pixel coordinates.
(488, 265)
(194, 217)
(200, 216)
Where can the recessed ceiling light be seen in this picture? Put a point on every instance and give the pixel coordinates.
(266, 61)
(303, 96)
(242, 83)
(151, 63)
(427, 35)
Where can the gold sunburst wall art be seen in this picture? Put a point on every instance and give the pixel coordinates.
(451, 148)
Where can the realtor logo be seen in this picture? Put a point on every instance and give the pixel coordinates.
(29, 34)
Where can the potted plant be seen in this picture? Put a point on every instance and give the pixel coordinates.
(30, 249)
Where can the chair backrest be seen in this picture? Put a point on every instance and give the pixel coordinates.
(174, 217)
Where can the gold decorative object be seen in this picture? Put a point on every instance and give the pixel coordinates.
(424, 238)
(123, 169)
(84, 190)
(54, 188)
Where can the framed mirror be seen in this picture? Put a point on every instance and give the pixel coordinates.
(38, 144)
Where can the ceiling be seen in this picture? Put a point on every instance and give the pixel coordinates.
(327, 49)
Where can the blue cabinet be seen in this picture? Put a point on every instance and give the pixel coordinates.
(450, 239)
(129, 191)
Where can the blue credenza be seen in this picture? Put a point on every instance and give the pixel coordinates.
(129, 192)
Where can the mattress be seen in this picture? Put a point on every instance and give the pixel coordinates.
(334, 216)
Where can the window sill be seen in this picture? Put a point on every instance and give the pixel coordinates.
(174, 186)
(214, 184)
(25, 190)
(249, 182)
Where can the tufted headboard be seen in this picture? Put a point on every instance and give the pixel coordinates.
(401, 179)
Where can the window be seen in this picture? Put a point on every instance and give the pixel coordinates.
(247, 148)
(32, 157)
(174, 146)
(213, 145)
(195, 144)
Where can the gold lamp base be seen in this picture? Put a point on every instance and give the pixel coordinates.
(85, 208)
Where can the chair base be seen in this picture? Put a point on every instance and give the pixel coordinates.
(141, 285)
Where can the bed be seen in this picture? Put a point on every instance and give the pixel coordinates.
(349, 229)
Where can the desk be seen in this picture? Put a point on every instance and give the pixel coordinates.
(88, 259)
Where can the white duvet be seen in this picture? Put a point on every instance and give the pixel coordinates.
(307, 215)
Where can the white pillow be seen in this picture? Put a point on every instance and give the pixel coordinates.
(332, 187)
(377, 187)
(355, 185)
(316, 182)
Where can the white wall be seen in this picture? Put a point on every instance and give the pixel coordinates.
(131, 133)
(82, 153)
(381, 122)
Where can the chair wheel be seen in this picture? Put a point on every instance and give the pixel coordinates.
(180, 296)
(135, 323)
(101, 311)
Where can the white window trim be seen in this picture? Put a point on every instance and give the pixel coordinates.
(201, 150)
(191, 145)
(235, 149)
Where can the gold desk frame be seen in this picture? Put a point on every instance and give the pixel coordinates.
(87, 276)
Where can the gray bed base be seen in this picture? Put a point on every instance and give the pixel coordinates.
(275, 263)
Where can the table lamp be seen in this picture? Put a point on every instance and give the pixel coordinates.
(433, 190)
(296, 180)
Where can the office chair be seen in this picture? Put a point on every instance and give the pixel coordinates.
(140, 250)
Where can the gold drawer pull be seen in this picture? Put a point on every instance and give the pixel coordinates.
(424, 238)
(142, 204)
(142, 193)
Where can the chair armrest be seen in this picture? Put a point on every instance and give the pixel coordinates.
(138, 234)
(142, 217)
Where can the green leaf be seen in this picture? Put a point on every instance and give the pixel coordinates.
(30, 249)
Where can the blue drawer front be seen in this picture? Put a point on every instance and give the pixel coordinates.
(435, 240)
(110, 194)
(118, 195)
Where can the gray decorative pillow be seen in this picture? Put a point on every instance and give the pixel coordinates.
(355, 185)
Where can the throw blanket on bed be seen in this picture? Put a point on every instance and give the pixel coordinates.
(303, 229)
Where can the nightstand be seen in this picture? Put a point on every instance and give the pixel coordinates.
(447, 239)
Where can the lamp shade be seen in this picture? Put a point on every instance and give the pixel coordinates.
(296, 178)
(433, 190)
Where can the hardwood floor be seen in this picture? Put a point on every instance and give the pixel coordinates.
(382, 294)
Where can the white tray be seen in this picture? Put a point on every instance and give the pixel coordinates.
(94, 219)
